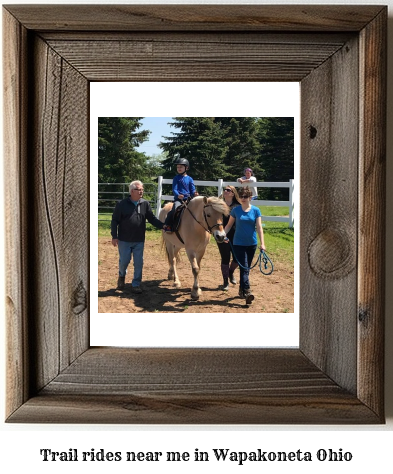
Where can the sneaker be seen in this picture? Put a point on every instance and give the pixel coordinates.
(121, 283)
(136, 289)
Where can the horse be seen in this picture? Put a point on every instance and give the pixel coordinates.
(201, 218)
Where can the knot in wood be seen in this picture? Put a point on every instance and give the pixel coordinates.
(80, 299)
(331, 255)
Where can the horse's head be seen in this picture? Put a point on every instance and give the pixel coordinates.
(214, 209)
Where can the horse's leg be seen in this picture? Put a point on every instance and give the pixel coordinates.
(195, 261)
(172, 258)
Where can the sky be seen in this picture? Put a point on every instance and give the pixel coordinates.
(159, 128)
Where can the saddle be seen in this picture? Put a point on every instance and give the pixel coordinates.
(177, 218)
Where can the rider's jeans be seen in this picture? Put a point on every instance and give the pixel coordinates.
(126, 251)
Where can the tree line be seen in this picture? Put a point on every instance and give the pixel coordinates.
(216, 147)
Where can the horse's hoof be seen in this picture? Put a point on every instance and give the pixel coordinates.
(195, 297)
(177, 284)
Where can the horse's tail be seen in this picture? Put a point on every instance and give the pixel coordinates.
(164, 248)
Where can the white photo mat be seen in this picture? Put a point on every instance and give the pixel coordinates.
(185, 99)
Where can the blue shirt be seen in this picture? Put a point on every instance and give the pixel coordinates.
(183, 185)
(245, 233)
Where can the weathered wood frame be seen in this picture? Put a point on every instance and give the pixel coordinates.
(338, 53)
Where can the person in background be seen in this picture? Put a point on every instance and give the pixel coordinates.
(183, 187)
(248, 220)
(249, 178)
(231, 198)
(128, 229)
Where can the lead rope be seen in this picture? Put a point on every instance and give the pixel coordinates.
(263, 259)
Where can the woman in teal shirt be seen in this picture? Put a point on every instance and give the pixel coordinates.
(248, 224)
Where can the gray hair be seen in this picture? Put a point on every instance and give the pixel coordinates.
(134, 184)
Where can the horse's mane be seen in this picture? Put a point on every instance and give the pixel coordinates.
(219, 205)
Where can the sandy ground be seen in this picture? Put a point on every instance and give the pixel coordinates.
(273, 293)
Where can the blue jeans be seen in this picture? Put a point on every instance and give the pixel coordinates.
(126, 250)
(244, 255)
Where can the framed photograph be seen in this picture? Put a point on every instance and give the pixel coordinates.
(51, 56)
(164, 315)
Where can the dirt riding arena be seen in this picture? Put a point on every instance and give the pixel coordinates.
(273, 293)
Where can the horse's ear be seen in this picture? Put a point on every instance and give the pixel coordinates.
(204, 200)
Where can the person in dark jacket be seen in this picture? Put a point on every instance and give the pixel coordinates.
(128, 228)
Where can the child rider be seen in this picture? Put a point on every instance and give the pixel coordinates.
(182, 187)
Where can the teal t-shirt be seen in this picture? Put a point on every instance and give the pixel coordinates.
(245, 233)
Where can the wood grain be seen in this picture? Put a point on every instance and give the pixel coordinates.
(194, 386)
(372, 169)
(338, 54)
(61, 213)
(171, 59)
(15, 109)
(195, 17)
(329, 200)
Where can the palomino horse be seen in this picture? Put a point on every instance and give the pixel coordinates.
(202, 217)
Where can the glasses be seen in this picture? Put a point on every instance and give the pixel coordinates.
(243, 197)
(139, 190)
(228, 191)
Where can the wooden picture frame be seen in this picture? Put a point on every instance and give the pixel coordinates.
(338, 54)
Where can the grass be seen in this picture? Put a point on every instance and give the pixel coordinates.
(279, 238)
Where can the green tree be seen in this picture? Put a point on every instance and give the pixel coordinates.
(118, 159)
(243, 147)
(199, 139)
(276, 136)
(221, 147)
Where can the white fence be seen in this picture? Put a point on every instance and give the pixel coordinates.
(220, 184)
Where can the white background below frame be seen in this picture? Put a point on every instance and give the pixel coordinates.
(162, 99)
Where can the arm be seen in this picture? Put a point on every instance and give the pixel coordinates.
(193, 191)
(115, 224)
(260, 232)
(175, 189)
(250, 180)
(228, 227)
(153, 219)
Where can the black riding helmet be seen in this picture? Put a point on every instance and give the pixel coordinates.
(182, 161)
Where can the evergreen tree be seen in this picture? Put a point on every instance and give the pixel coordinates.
(118, 159)
(200, 140)
(276, 135)
(241, 135)
(221, 147)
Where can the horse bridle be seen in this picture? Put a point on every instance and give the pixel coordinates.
(209, 228)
